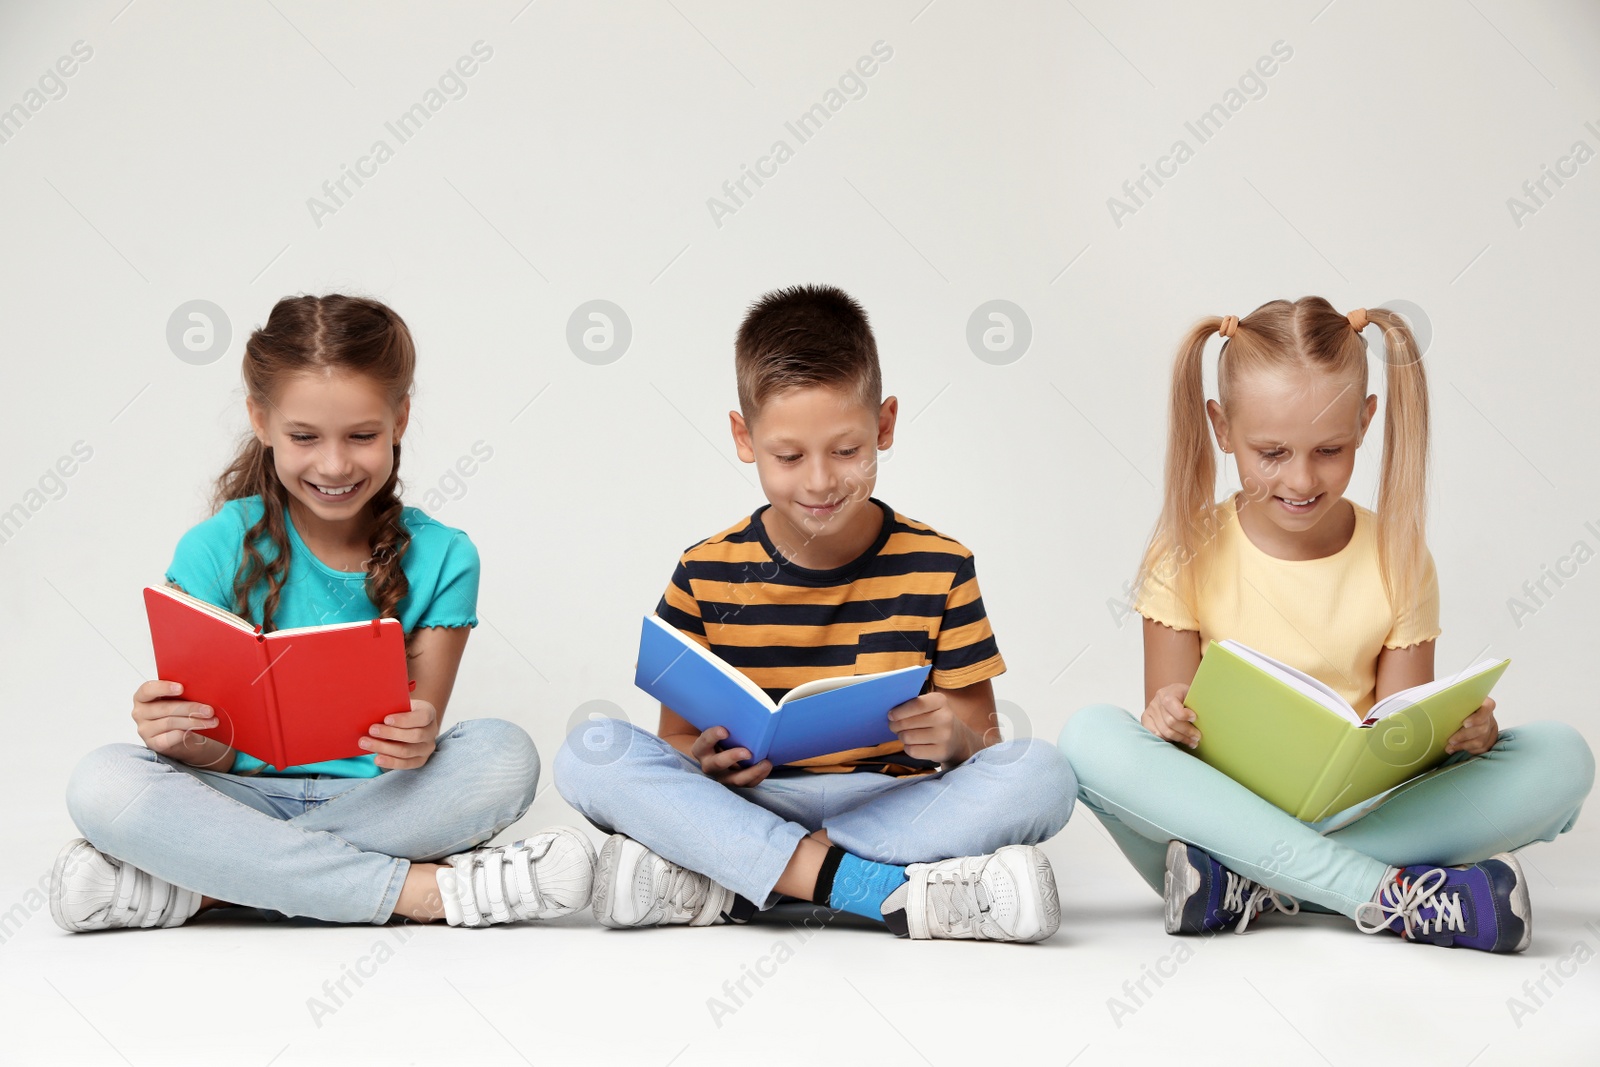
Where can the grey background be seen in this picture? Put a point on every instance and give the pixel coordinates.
(1375, 165)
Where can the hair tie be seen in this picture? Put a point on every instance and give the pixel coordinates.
(1358, 319)
(1229, 327)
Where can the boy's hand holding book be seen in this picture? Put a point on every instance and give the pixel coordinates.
(723, 764)
(930, 729)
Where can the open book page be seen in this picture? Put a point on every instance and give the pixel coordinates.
(209, 608)
(691, 647)
(327, 627)
(827, 685)
(1405, 698)
(244, 624)
(1298, 680)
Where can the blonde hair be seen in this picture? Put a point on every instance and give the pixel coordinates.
(1276, 337)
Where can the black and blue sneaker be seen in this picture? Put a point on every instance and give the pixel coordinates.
(1203, 896)
(1480, 905)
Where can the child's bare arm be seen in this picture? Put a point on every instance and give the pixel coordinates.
(1402, 668)
(676, 731)
(1170, 659)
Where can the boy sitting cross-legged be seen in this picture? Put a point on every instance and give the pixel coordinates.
(932, 834)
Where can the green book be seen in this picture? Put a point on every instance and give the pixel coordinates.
(1293, 741)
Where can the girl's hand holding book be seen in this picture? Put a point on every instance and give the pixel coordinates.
(166, 724)
(1479, 731)
(1167, 718)
(404, 742)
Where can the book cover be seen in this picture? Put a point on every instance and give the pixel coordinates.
(1296, 743)
(823, 716)
(289, 697)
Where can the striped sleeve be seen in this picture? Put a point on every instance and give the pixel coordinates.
(966, 652)
(679, 607)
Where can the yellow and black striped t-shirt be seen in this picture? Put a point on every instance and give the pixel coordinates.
(910, 599)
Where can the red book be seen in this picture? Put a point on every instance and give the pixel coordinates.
(289, 697)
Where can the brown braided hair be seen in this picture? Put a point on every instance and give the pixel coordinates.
(312, 333)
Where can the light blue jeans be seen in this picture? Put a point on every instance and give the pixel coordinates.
(1147, 791)
(335, 849)
(627, 780)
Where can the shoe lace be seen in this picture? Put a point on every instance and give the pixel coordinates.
(1404, 899)
(680, 892)
(959, 899)
(1261, 899)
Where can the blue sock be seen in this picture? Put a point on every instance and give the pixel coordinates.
(856, 885)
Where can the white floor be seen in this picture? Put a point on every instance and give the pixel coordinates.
(1110, 988)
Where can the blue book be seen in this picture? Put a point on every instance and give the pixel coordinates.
(814, 719)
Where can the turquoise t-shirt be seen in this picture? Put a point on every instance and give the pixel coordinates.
(441, 566)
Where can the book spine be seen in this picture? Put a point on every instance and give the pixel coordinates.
(269, 694)
(769, 734)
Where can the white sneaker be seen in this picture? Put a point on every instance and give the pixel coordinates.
(1009, 895)
(549, 875)
(92, 891)
(635, 887)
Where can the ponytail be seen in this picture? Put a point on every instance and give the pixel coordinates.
(1190, 480)
(1402, 485)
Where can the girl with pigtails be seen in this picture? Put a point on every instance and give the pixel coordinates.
(1291, 568)
(309, 529)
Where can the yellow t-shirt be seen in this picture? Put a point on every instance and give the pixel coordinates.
(1328, 617)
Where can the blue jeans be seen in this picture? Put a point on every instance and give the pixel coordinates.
(1147, 791)
(627, 780)
(335, 849)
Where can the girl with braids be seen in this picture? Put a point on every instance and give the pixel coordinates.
(1350, 596)
(309, 529)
